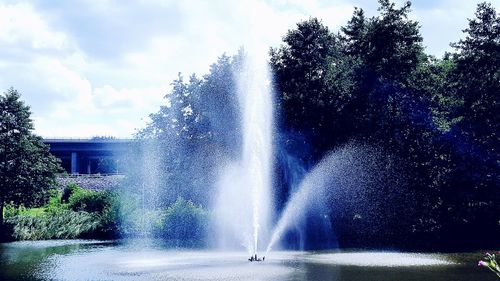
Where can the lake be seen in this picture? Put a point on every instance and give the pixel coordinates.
(142, 260)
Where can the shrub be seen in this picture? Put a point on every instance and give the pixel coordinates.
(64, 224)
(103, 205)
(68, 191)
(10, 211)
(87, 214)
(54, 204)
(185, 221)
(90, 201)
(137, 218)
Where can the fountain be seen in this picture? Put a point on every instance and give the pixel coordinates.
(314, 181)
(243, 202)
(243, 213)
(243, 206)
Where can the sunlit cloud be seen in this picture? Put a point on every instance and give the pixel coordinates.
(91, 68)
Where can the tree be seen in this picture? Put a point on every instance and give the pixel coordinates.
(27, 169)
(478, 79)
(383, 51)
(472, 199)
(300, 67)
(198, 125)
(394, 43)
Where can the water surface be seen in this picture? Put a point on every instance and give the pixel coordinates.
(139, 260)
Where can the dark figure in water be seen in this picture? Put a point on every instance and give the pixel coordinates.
(263, 258)
(256, 258)
(251, 258)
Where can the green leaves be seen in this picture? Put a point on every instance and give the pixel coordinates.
(198, 123)
(373, 82)
(27, 169)
(64, 224)
(184, 220)
(477, 78)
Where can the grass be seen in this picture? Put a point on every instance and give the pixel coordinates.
(34, 211)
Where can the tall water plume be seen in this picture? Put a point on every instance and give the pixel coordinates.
(243, 207)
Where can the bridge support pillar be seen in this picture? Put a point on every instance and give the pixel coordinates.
(74, 163)
(88, 167)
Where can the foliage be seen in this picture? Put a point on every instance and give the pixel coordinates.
(135, 218)
(301, 66)
(439, 117)
(89, 201)
(469, 193)
(69, 190)
(27, 169)
(196, 126)
(64, 224)
(184, 221)
(82, 214)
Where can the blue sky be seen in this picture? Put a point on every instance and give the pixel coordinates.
(91, 68)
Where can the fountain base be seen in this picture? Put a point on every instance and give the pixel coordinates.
(255, 258)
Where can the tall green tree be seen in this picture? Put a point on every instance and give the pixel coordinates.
(478, 79)
(197, 126)
(472, 199)
(27, 169)
(373, 82)
(384, 50)
(301, 67)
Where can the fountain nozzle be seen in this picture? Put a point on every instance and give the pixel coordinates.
(255, 258)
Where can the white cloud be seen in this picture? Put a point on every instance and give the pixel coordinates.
(21, 24)
(57, 80)
(101, 67)
(443, 24)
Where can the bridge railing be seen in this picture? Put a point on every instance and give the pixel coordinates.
(89, 175)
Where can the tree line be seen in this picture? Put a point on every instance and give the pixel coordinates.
(435, 119)
(371, 82)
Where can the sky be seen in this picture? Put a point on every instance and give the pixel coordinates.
(99, 68)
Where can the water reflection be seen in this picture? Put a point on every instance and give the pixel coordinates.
(139, 260)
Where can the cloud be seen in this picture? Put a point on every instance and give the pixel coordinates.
(72, 93)
(442, 23)
(106, 29)
(101, 67)
(22, 25)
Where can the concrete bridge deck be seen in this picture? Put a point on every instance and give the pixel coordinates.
(89, 156)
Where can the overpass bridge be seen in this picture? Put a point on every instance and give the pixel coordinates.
(89, 156)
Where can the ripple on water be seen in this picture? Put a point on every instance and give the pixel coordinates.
(164, 265)
(380, 259)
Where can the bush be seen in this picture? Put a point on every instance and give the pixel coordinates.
(64, 224)
(186, 222)
(81, 213)
(55, 202)
(10, 211)
(89, 201)
(68, 191)
(72, 213)
(103, 205)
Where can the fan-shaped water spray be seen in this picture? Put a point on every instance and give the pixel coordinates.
(348, 172)
(314, 181)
